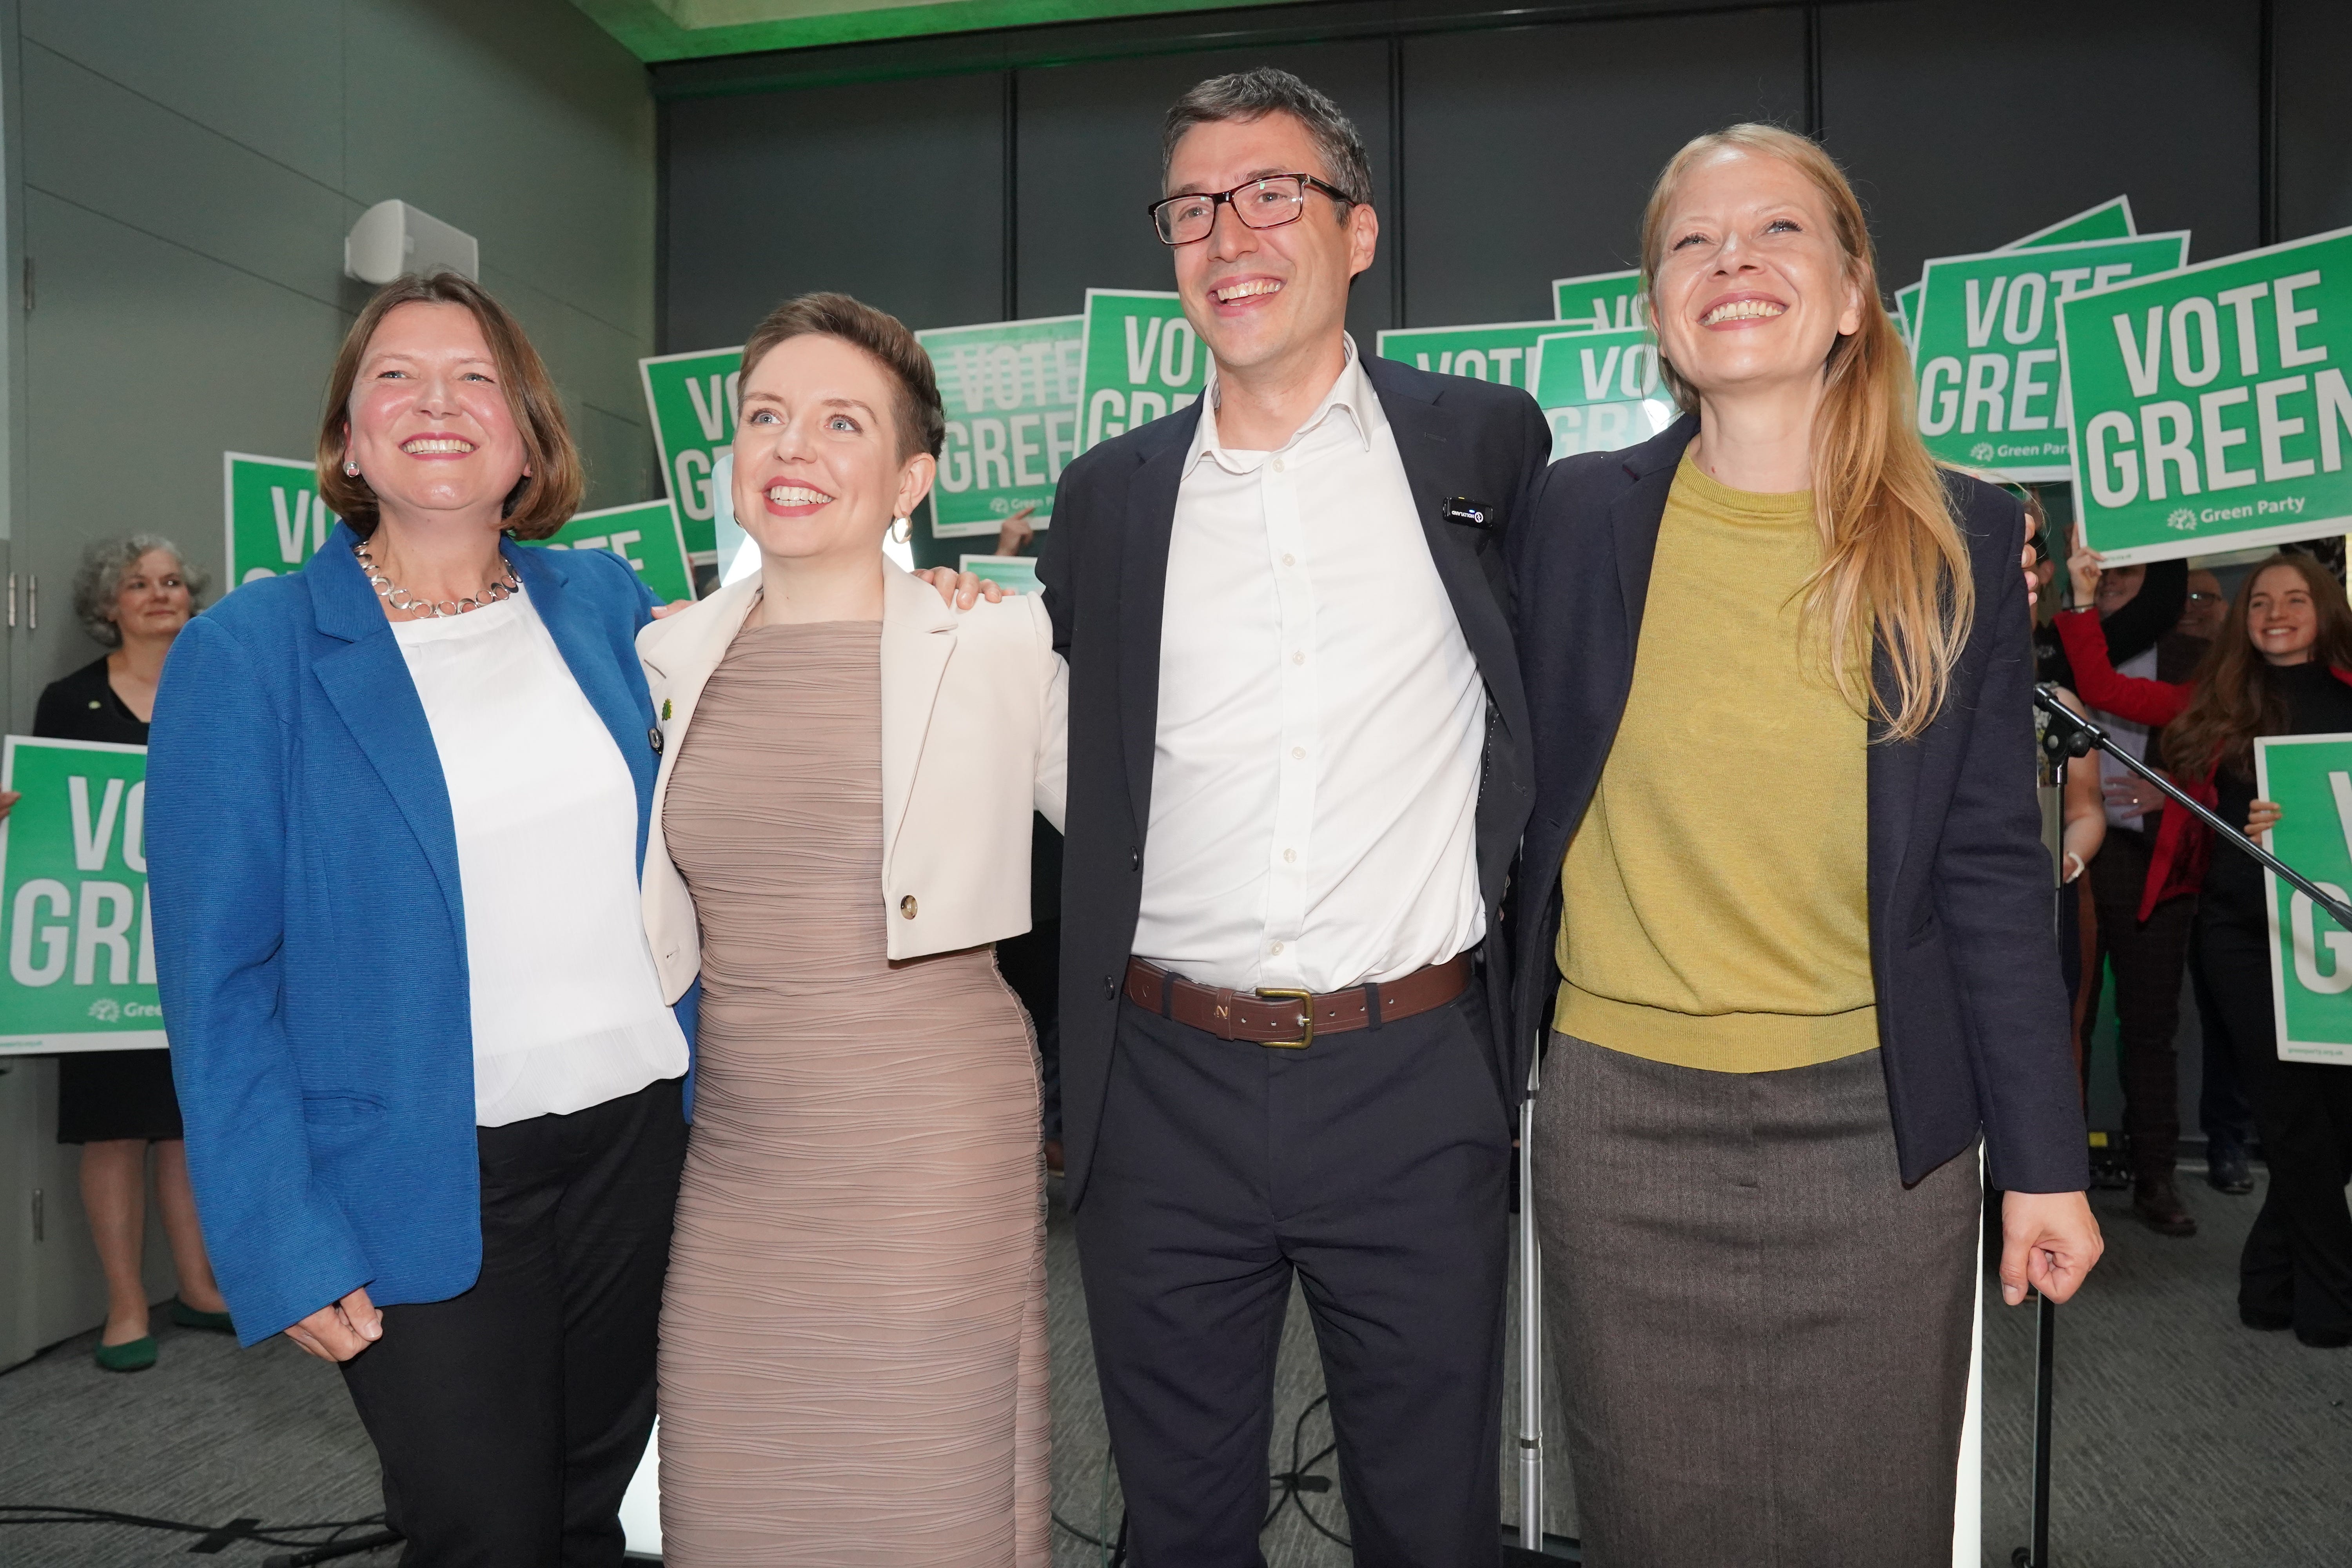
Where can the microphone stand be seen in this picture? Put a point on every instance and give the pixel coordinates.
(2069, 734)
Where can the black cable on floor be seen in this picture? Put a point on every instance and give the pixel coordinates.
(1300, 1479)
(276, 1535)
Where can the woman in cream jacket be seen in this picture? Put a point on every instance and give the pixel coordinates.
(853, 1335)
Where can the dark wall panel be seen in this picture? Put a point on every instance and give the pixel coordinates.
(1967, 126)
(893, 192)
(1529, 152)
(1089, 164)
(2314, 56)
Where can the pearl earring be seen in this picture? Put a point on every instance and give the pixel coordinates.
(351, 469)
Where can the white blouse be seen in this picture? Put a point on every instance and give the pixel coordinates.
(567, 1009)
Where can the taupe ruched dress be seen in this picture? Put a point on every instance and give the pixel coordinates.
(853, 1349)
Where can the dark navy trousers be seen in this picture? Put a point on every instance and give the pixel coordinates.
(1374, 1166)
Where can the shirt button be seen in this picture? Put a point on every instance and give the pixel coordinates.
(907, 906)
(1276, 948)
(1299, 753)
(1286, 560)
(1278, 465)
(1298, 658)
(1289, 855)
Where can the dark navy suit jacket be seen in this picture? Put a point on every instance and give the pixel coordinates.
(1973, 1015)
(311, 930)
(1105, 568)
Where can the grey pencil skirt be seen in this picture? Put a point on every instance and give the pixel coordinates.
(1762, 1335)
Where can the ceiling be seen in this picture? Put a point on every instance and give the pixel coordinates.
(655, 30)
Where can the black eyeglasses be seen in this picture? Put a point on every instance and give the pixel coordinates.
(1267, 203)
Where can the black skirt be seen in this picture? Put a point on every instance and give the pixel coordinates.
(103, 1094)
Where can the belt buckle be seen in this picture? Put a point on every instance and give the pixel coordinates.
(1305, 1018)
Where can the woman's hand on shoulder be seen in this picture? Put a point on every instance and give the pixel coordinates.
(962, 590)
(2048, 1240)
(673, 607)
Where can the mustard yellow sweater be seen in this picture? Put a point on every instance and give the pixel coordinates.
(1715, 907)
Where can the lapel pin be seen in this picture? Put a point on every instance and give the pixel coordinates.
(1462, 509)
(665, 708)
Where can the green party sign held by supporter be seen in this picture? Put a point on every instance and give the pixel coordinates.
(1602, 391)
(646, 536)
(275, 519)
(1600, 301)
(2111, 219)
(2310, 956)
(73, 895)
(1986, 351)
(1012, 394)
(1142, 359)
(692, 400)
(2210, 404)
(1501, 350)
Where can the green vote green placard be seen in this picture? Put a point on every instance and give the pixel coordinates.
(73, 895)
(276, 521)
(646, 535)
(1602, 301)
(2310, 956)
(1143, 361)
(2111, 219)
(1985, 347)
(1012, 391)
(1498, 351)
(1601, 391)
(2212, 406)
(692, 400)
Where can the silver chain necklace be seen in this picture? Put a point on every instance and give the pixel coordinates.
(408, 604)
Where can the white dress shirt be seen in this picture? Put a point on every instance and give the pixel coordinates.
(567, 1009)
(1315, 784)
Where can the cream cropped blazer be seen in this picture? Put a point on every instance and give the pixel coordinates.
(975, 732)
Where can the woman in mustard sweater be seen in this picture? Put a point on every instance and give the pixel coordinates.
(1786, 912)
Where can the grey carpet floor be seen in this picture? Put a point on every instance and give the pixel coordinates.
(2183, 1438)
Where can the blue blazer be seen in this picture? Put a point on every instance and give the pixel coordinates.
(310, 933)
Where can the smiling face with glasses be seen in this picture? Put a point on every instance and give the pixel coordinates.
(1264, 251)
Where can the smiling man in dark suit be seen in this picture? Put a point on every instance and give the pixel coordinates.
(1297, 777)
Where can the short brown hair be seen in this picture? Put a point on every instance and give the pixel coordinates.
(1252, 95)
(545, 499)
(922, 422)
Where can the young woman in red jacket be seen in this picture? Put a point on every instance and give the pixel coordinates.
(2282, 665)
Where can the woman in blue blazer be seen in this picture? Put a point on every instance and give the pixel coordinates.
(398, 805)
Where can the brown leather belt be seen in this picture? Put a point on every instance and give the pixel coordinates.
(1292, 1019)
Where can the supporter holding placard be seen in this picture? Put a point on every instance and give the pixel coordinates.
(1778, 669)
(2281, 665)
(133, 594)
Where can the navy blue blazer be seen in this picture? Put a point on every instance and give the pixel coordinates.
(1105, 568)
(1973, 1017)
(310, 933)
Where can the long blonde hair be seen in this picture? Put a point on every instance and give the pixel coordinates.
(1895, 565)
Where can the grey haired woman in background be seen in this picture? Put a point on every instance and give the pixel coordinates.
(132, 595)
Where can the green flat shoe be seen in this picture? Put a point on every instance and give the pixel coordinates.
(187, 1317)
(133, 1356)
